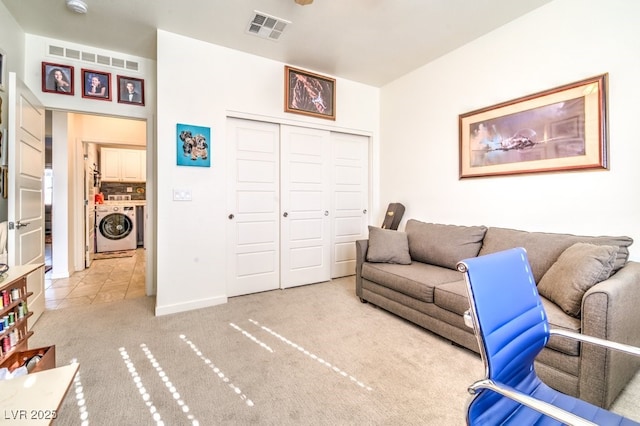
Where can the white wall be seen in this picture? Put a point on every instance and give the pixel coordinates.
(559, 43)
(218, 82)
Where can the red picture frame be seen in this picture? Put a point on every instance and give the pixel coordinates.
(96, 85)
(130, 90)
(57, 78)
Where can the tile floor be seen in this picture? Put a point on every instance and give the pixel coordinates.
(107, 280)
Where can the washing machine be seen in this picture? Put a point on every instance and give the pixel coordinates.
(115, 228)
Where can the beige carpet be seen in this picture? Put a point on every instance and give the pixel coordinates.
(311, 355)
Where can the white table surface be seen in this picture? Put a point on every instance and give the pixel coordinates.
(34, 399)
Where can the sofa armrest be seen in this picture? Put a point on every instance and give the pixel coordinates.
(361, 256)
(610, 311)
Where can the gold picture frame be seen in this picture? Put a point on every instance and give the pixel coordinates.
(560, 129)
(309, 94)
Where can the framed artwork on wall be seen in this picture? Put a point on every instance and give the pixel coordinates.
(130, 90)
(96, 85)
(309, 94)
(192, 145)
(57, 78)
(560, 129)
(4, 185)
(3, 146)
(3, 71)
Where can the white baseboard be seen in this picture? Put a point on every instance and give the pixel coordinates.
(190, 306)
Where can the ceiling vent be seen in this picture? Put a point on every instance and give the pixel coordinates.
(267, 26)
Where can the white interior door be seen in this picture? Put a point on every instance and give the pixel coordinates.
(305, 206)
(25, 201)
(350, 192)
(253, 232)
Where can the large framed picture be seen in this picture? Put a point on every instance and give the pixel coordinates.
(130, 90)
(309, 94)
(57, 78)
(96, 85)
(560, 129)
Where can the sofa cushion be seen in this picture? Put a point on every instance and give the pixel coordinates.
(417, 280)
(558, 319)
(388, 246)
(543, 249)
(443, 245)
(452, 296)
(578, 268)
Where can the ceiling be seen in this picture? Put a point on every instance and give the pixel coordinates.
(369, 41)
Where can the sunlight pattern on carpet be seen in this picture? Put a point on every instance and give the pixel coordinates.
(312, 355)
(138, 382)
(170, 387)
(82, 403)
(251, 337)
(216, 370)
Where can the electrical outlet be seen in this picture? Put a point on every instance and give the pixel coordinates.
(129, 189)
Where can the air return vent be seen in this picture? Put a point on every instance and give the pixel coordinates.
(93, 58)
(266, 26)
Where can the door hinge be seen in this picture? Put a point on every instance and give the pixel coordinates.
(11, 225)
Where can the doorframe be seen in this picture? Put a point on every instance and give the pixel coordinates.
(75, 152)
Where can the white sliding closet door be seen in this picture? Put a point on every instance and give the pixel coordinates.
(305, 187)
(350, 192)
(298, 199)
(253, 231)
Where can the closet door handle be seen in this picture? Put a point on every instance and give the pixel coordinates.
(326, 212)
(285, 214)
(364, 211)
(231, 216)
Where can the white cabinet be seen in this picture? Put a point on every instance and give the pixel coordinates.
(123, 165)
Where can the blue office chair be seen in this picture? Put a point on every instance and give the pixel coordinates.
(511, 327)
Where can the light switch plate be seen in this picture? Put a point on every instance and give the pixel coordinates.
(181, 195)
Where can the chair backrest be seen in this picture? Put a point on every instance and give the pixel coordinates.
(511, 324)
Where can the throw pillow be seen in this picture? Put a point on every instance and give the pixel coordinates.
(388, 246)
(579, 267)
(443, 245)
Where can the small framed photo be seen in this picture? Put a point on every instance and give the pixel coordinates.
(309, 94)
(3, 71)
(130, 90)
(96, 85)
(57, 78)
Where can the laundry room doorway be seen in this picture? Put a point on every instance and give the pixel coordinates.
(77, 185)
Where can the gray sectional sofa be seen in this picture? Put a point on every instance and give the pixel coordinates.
(586, 284)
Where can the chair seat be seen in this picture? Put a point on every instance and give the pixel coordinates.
(490, 408)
